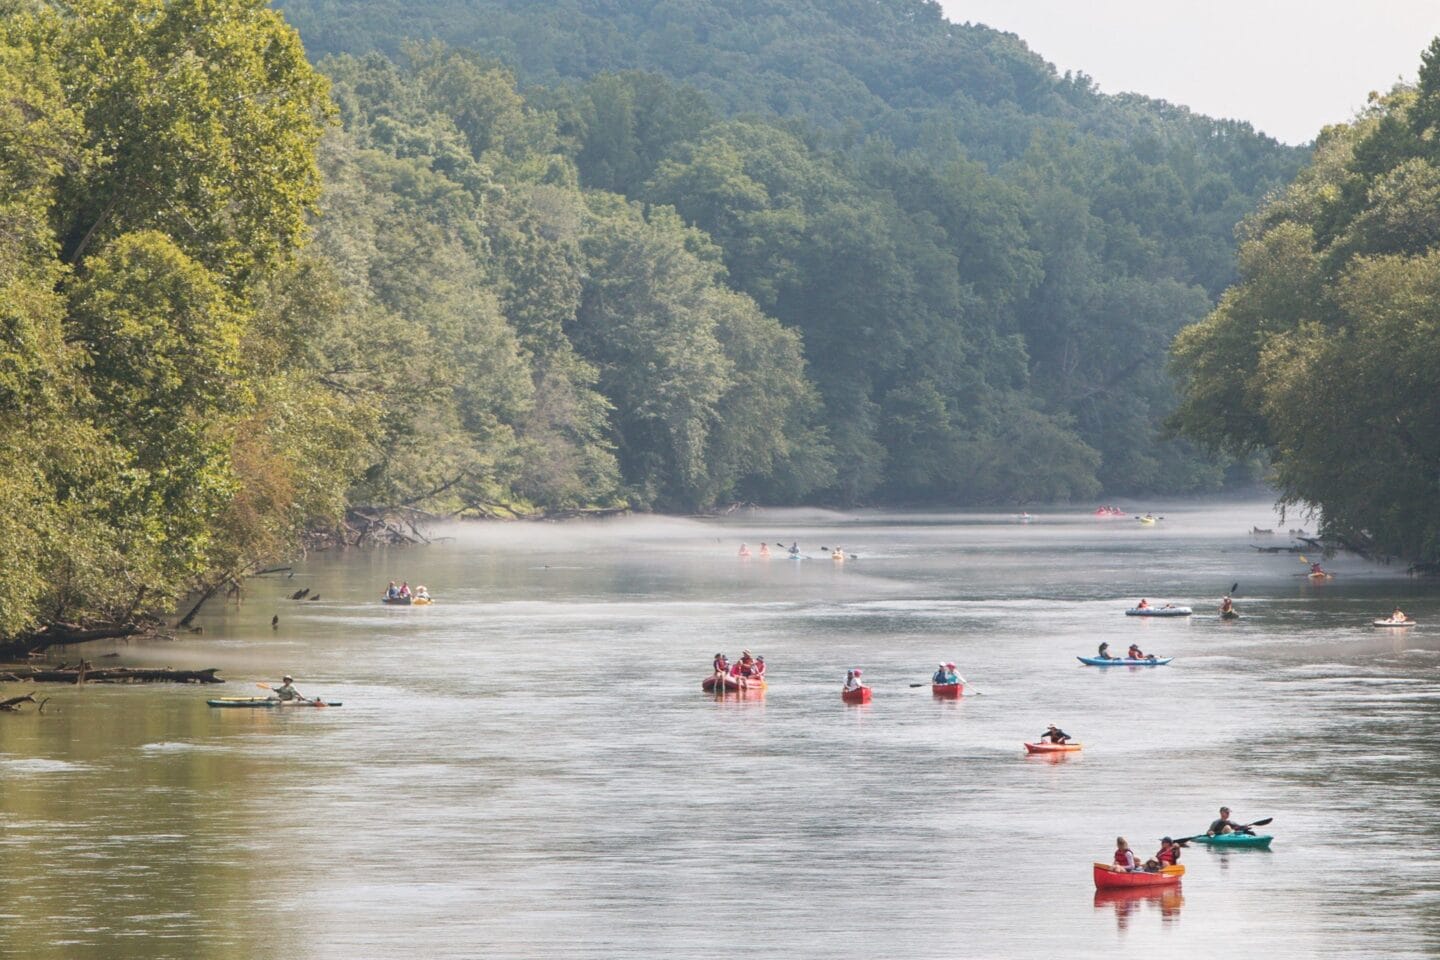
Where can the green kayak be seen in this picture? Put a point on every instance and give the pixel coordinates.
(264, 702)
(1236, 840)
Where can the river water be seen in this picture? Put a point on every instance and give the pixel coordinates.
(529, 769)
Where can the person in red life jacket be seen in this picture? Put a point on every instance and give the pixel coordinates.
(1168, 855)
(759, 673)
(1143, 604)
(1134, 653)
(1124, 856)
(746, 666)
(1316, 570)
(721, 664)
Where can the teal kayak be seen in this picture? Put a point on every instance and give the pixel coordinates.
(1236, 840)
(267, 702)
(1125, 662)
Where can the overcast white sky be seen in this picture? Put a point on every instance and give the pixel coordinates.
(1287, 66)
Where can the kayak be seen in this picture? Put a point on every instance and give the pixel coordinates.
(1146, 520)
(1321, 576)
(1229, 615)
(1048, 747)
(1393, 623)
(858, 695)
(735, 685)
(950, 691)
(1125, 662)
(1261, 842)
(1158, 612)
(1109, 878)
(407, 601)
(267, 702)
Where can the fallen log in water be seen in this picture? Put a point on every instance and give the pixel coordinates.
(84, 673)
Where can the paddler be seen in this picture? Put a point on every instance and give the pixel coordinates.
(795, 549)
(286, 690)
(1134, 653)
(852, 680)
(764, 550)
(940, 675)
(744, 552)
(721, 664)
(950, 675)
(746, 666)
(1398, 616)
(1143, 604)
(1316, 570)
(1124, 856)
(1167, 856)
(1055, 735)
(1223, 825)
(759, 673)
(1104, 652)
(1227, 607)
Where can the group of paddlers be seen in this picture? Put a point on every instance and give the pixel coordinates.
(748, 667)
(1169, 853)
(403, 592)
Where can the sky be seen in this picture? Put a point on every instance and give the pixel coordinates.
(1288, 66)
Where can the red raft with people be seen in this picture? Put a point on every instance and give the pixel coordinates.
(1108, 877)
(746, 675)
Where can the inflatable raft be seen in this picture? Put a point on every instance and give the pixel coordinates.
(1159, 612)
(734, 684)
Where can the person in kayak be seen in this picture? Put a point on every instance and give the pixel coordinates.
(940, 675)
(1104, 653)
(744, 551)
(1055, 735)
(764, 551)
(1124, 856)
(795, 549)
(286, 690)
(1227, 607)
(1316, 570)
(1167, 856)
(1134, 653)
(1223, 825)
(392, 591)
(422, 592)
(1398, 616)
(852, 680)
(404, 590)
(950, 674)
(1143, 604)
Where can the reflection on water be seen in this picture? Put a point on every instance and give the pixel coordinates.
(528, 768)
(1127, 904)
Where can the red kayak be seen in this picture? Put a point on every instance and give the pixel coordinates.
(950, 691)
(1108, 877)
(1051, 747)
(858, 695)
(735, 685)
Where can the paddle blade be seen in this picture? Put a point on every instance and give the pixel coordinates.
(1261, 823)
(264, 686)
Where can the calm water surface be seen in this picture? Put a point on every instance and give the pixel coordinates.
(528, 768)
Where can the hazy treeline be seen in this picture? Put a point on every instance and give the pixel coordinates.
(1324, 354)
(986, 261)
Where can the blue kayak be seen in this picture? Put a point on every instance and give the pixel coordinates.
(1148, 662)
(1261, 842)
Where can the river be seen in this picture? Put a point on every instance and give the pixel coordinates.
(529, 769)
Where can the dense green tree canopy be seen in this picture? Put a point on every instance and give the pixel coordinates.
(1323, 355)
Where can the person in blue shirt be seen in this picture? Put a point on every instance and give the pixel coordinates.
(940, 675)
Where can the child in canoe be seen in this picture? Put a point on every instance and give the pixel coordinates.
(1167, 856)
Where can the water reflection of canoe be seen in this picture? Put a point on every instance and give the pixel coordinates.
(1051, 747)
(1109, 878)
(950, 691)
(735, 685)
(267, 702)
(858, 695)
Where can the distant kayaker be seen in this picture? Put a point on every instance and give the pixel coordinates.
(1316, 570)
(1227, 607)
(1055, 735)
(1167, 856)
(950, 675)
(764, 551)
(1134, 653)
(1223, 825)
(286, 690)
(1124, 856)
(1398, 616)
(852, 680)
(1104, 652)
(392, 591)
(940, 675)
(744, 551)
(1143, 604)
(404, 590)
(421, 593)
(795, 549)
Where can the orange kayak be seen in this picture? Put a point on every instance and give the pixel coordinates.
(1109, 878)
(950, 691)
(858, 695)
(1051, 747)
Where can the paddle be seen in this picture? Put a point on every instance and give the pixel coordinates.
(266, 686)
(1244, 829)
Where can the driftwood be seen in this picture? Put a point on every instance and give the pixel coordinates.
(60, 634)
(83, 672)
(13, 704)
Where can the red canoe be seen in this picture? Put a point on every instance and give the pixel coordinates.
(858, 695)
(950, 691)
(735, 684)
(1108, 878)
(1051, 747)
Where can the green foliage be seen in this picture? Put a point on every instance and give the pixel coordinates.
(1323, 355)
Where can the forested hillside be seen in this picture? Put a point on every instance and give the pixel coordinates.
(1325, 354)
(986, 261)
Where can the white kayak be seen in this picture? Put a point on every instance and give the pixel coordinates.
(1158, 612)
(1393, 623)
